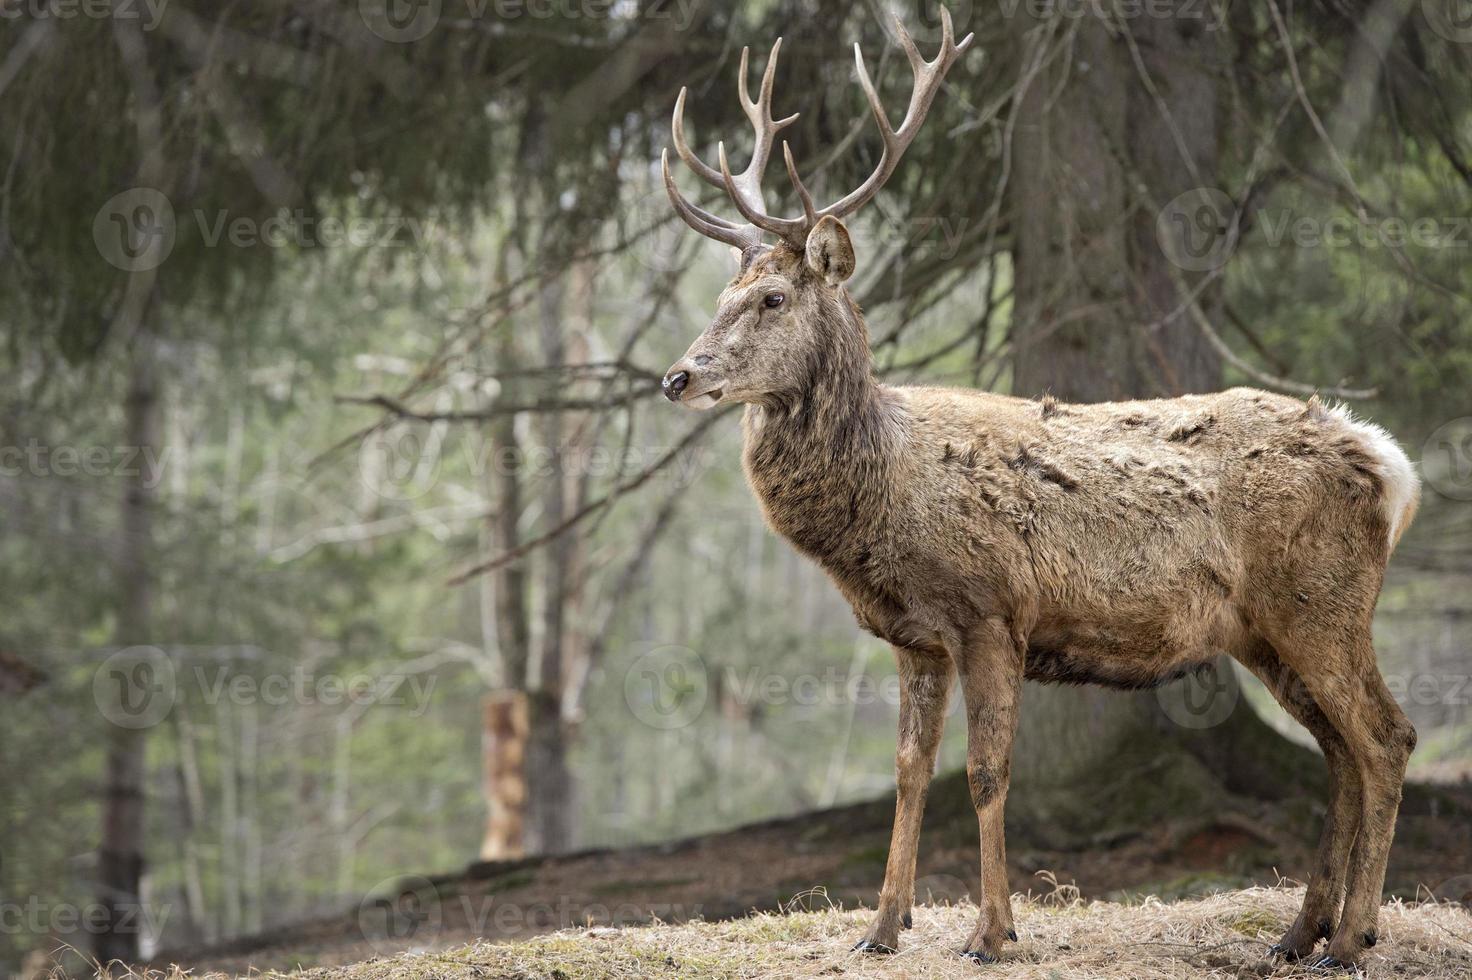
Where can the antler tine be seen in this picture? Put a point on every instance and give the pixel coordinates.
(810, 214)
(761, 109)
(928, 78)
(912, 53)
(702, 220)
(788, 228)
(745, 188)
(886, 132)
(705, 171)
(764, 127)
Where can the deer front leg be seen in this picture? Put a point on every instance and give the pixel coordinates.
(925, 687)
(991, 681)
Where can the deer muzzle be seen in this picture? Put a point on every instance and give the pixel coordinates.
(687, 385)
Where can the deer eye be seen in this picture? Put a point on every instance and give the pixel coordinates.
(773, 300)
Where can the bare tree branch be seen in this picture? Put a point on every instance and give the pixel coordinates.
(628, 486)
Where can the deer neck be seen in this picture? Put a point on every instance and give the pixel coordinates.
(823, 460)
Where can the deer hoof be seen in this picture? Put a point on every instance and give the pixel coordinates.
(1332, 964)
(870, 946)
(1279, 951)
(1012, 934)
(978, 956)
(908, 922)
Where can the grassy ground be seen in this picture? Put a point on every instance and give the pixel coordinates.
(1061, 938)
(842, 853)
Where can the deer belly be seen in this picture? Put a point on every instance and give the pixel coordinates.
(1126, 655)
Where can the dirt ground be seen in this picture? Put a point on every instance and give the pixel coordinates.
(1225, 935)
(835, 859)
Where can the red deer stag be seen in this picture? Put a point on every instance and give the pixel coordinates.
(1120, 544)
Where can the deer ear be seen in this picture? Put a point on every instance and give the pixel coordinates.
(830, 252)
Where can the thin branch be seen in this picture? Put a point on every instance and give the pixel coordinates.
(643, 477)
(1261, 376)
(398, 410)
(1307, 105)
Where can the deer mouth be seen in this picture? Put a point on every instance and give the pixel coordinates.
(702, 401)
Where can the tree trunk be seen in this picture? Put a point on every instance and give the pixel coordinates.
(1094, 290)
(503, 751)
(550, 799)
(565, 310)
(1093, 321)
(191, 808)
(120, 854)
(505, 720)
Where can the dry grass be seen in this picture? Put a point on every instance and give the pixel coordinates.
(1062, 938)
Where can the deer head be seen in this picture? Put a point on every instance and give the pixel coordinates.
(787, 300)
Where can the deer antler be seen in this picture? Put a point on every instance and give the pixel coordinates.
(745, 190)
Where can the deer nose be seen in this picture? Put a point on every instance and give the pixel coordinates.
(674, 383)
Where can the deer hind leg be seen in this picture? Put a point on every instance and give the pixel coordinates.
(1320, 912)
(1345, 683)
(991, 681)
(925, 687)
(1390, 738)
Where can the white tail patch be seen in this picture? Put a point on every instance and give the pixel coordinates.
(1396, 471)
